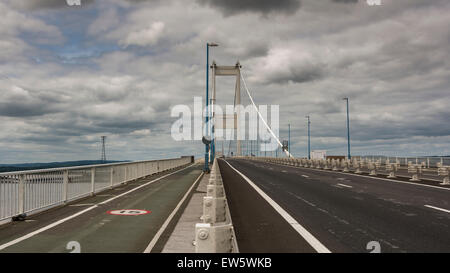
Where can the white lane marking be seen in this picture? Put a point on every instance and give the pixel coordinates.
(316, 244)
(343, 185)
(155, 239)
(379, 178)
(298, 197)
(31, 234)
(82, 205)
(143, 185)
(304, 175)
(436, 208)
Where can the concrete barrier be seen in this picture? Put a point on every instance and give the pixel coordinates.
(415, 170)
(334, 164)
(345, 164)
(216, 233)
(444, 172)
(391, 168)
(372, 166)
(326, 165)
(213, 239)
(358, 165)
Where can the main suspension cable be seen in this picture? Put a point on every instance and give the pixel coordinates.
(261, 117)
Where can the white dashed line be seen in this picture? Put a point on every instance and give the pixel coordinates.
(436, 208)
(343, 185)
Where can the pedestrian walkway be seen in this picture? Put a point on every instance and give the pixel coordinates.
(182, 238)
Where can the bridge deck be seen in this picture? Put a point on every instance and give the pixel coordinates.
(96, 230)
(344, 212)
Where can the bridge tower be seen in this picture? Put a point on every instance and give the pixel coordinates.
(227, 71)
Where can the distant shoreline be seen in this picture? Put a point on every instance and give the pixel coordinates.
(49, 165)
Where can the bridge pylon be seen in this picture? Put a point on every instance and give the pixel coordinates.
(227, 71)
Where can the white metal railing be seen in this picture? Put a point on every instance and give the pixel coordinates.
(426, 162)
(374, 166)
(35, 190)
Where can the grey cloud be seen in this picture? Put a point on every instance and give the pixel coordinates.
(230, 7)
(44, 139)
(297, 74)
(393, 67)
(249, 50)
(45, 4)
(20, 109)
(144, 1)
(345, 1)
(27, 103)
(305, 74)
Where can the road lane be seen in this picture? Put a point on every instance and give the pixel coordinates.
(346, 219)
(258, 227)
(98, 231)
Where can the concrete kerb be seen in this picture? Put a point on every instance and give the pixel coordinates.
(216, 233)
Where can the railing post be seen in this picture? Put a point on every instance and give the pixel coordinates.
(112, 177)
(92, 181)
(65, 185)
(21, 193)
(126, 168)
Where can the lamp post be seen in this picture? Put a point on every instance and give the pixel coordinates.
(309, 137)
(348, 130)
(206, 167)
(258, 149)
(289, 139)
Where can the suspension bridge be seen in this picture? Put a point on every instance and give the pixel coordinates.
(252, 195)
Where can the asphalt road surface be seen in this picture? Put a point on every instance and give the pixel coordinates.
(88, 223)
(344, 212)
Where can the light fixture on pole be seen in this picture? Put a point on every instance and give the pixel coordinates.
(309, 137)
(207, 150)
(289, 139)
(348, 131)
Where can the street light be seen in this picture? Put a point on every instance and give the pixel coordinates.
(206, 168)
(348, 130)
(213, 140)
(309, 137)
(289, 139)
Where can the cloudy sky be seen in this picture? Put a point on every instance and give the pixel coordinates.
(116, 67)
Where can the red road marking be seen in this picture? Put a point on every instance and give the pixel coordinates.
(128, 212)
